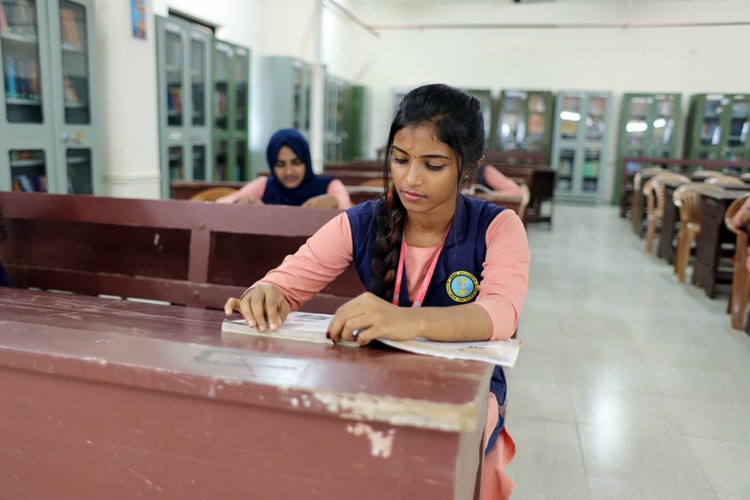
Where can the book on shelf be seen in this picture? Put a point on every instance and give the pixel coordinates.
(312, 327)
(71, 96)
(3, 19)
(69, 28)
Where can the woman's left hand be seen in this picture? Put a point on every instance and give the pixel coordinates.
(373, 318)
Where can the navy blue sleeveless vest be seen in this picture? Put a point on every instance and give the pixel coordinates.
(457, 273)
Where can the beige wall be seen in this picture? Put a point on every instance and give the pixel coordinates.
(685, 60)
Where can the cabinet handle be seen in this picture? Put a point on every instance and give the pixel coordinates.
(72, 138)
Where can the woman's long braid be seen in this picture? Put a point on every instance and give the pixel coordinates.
(389, 221)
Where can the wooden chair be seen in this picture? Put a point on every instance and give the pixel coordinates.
(702, 175)
(738, 297)
(687, 199)
(724, 180)
(635, 210)
(653, 190)
(745, 177)
(524, 201)
(212, 194)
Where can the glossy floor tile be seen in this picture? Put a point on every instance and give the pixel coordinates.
(629, 384)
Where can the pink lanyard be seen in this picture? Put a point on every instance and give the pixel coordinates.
(427, 278)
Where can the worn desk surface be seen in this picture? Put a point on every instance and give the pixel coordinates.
(145, 399)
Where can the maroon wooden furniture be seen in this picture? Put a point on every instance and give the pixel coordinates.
(184, 190)
(677, 164)
(130, 400)
(714, 240)
(183, 252)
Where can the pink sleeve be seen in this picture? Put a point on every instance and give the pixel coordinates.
(324, 256)
(337, 189)
(252, 189)
(500, 183)
(505, 277)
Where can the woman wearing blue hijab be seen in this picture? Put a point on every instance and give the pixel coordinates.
(292, 180)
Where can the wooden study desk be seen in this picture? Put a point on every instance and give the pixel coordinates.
(713, 234)
(134, 399)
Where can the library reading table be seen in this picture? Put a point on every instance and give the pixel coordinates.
(135, 399)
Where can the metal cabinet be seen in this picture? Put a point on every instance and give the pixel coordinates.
(184, 60)
(49, 117)
(650, 125)
(524, 121)
(335, 134)
(281, 98)
(231, 113)
(717, 127)
(580, 142)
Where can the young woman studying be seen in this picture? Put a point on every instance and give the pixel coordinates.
(292, 180)
(436, 264)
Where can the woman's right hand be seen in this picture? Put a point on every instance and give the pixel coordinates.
(263, 307)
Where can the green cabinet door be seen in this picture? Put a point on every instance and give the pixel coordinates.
(231, 95)
(717, 127)
(524, 121)
(650, 124)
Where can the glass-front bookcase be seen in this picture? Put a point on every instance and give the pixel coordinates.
(717, 127)
(184, 80)
(335, 134)
(231, 94)
(49, 116)
(650, 125)
(281, 98)
(524, 121)
(486, 104)
(580, 143)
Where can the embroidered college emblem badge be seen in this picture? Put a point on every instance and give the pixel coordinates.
(462, 286)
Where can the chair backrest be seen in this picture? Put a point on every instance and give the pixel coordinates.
(745, 177)
(524, 200)
(688, 199)
(212, 194)
(702, 175)
(732, 210)
(638, 177)
(654, 190)
(725, 180)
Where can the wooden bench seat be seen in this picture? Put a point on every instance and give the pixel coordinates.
(182, 252)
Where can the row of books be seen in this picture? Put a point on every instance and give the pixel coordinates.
(69, 27)
(22, 78)
(18, 17)
(30, 183)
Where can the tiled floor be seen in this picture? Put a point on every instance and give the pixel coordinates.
(629, 385)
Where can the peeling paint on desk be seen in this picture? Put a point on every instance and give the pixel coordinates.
(400, 411)
(380, 444)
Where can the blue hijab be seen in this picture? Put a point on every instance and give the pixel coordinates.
(312, 185)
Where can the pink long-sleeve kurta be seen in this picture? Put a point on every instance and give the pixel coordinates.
(256, 188)
(502, 291)
(502, 288)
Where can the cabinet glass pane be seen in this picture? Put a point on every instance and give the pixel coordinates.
(199, 163)
(298, 97)
(20, 49)
(220, 165)
(664, 121)
(537, 109)
(75, 62)
(738, 123)
(28, 170)
(566, 169)
(595, 118)
(710, 126)
(174, 79)
(176, 163)
(241, 161)
(198, 80)
(591, 170)
(512, 126)
(240, 77)
(637, 125)
(80, 179)
(221, 72)
(570, 116)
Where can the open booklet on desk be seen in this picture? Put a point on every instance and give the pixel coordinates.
(312, 327)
